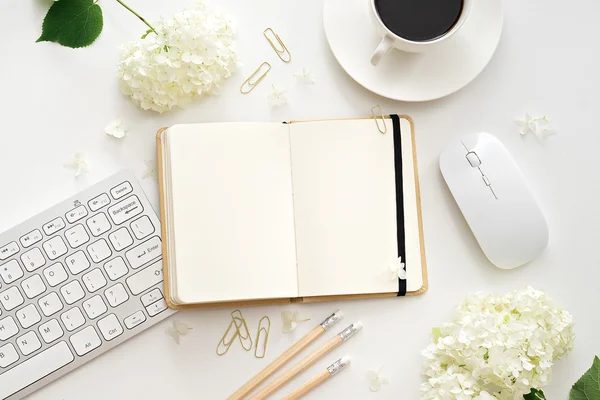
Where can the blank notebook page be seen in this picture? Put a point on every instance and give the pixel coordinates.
(232, 212)
(345, 207)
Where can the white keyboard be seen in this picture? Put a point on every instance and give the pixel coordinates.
(77, 280)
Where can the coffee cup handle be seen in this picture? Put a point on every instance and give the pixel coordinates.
(384, 47)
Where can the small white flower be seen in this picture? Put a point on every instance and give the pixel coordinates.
(277, 97)
(78, 164)
(540, 126)
(305, 76)
(150, 171)
(376, 379)
(177, 328)
(526, 124)
(116, 128)
(397, 270)
(291, 320)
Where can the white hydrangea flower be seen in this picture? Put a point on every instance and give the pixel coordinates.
(540, 126)
(397, 270)
(497, 347)
(116, 128)
(290, 320)
(150, 171)
(376, 379)
(190, 56)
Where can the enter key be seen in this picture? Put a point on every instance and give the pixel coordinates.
(145, 252)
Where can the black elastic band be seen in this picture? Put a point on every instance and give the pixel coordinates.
(399, 199)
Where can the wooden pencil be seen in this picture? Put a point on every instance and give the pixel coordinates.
(287, 356)
(318, 380)
(288, 375)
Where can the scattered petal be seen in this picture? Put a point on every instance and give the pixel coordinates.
(376, 379)
(290, 320)
(305, 76)
(397, 270)
(277, 97)
(150, 171)
(177, 329)
(78, 164)
(116, 128)
(526, 124)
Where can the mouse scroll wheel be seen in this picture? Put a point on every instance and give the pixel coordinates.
(473, 159)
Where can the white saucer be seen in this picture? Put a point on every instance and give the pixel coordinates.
(411, 76)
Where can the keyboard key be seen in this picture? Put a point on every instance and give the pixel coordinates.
(151, 297)
(33, 259)
(142, 227)
(98, 224)
(72, 319)
(98, 202)
(50, 331)
(134, 319)
(121, 190)
(55, 247)
(76, 214)
(145, 279)
(77, 262)
(50, 304)
(156, 308)
(94, 280)
(8, 355)
(76, 236)
(110, 327)
(116, 295)
(35, 369)
(55, 274)
(54, 226)
(33, 286)
(8, 250)
(72, 292)
(125, 210)
(31, 238)
(8, 328)
(28, 316)
(120, 239)
(11, 298)
(145, 252)
(28, 343)
(85, 341)
(115, 268)
(11, 271)
(99, 251)
(94, 307)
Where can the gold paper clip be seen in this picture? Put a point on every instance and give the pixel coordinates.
(282, 52)
(253, 80)
(266, 331)
(241, 326)
(227, 343)
(377, 117)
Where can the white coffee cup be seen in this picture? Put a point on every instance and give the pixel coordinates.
(391, 40)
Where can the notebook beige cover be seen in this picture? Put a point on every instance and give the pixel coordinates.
(265, 213)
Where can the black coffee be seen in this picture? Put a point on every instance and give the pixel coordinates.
(419, 20)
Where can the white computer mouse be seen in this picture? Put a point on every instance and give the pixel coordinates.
(495, 200)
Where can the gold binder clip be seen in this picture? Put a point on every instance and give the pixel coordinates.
(282, 51)
(226, 343)
(377, 118)
(266, 329)
(242, 329)
(255, 78)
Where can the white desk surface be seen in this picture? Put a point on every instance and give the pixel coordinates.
(55, 101)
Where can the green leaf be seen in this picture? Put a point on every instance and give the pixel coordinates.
(588, 386)
(72, 23)
(535, 395)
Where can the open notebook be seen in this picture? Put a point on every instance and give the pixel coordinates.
(302, 211)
